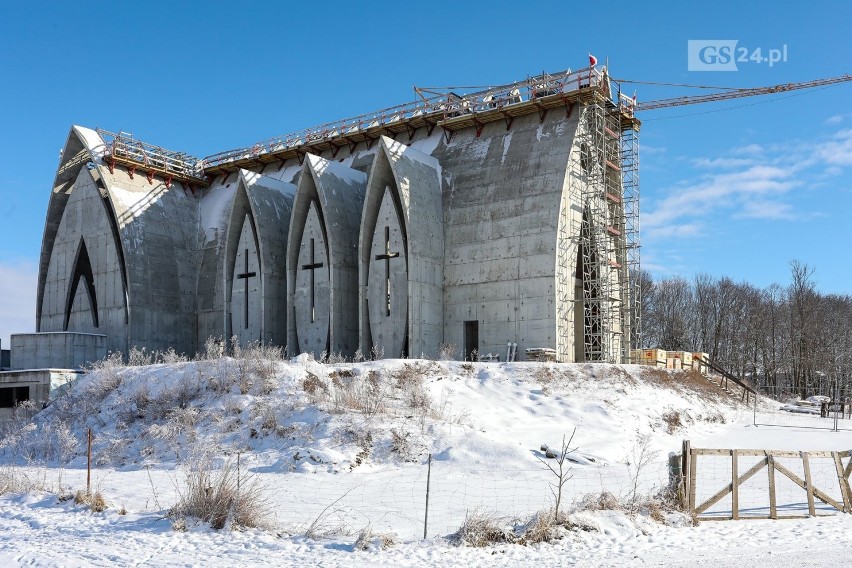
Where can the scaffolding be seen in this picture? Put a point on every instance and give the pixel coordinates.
(122, 149)
(604, 178)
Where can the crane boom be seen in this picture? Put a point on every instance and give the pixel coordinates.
(737, 93)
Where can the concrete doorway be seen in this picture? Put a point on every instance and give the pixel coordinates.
(471, 340)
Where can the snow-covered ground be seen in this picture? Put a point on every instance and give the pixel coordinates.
(336, 448)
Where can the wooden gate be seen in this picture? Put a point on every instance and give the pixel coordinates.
(830, 461)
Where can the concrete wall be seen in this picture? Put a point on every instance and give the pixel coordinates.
(503, 193)
(327, 208)
(404, 196)
(57, 350)
(83, 245)
(485, 226)
(44, 385)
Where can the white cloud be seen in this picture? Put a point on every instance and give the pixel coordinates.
(836, 119)
(763, 209)
(715, 192)
(724, 163)
(650, 150)
(18, 284)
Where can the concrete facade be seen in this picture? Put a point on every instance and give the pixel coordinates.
(322, 264)
(36, 385)
(402, 254)
(397, 245)
(57, 350)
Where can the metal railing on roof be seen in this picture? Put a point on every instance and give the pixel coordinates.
(123, 148)
(432, 106)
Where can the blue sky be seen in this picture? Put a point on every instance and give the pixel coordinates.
(737, 188)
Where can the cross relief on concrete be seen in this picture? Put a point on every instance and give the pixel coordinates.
(387, 294)
(312, 266)
(311, 294)
(246, 297)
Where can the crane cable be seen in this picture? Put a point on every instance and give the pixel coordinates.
(737, 106)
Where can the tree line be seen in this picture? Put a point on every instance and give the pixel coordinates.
(787, 339)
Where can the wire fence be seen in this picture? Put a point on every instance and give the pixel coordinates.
(828, 406)
(772, 485)
(395, 499)
(387, 498)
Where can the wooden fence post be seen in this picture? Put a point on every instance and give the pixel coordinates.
(684, 472)
(770, 466)
(89, 463)
(735, 486)
(806, 464)
(693, 472)
(841, 480)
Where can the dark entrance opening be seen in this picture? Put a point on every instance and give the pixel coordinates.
(471, 340)
(10, 397)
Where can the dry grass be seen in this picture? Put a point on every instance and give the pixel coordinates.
(480, 529)
(603, 501)
(672, 420)
(94, 501)
(221, 498)
(369, 540)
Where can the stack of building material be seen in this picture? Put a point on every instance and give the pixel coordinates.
(685, 358)
(542, 354)
(653, 357)
(674, 363)
(699, 360)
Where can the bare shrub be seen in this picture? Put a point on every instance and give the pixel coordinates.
(603, 501)
(641, 456)
(94, 501)
(104, 378)
(371, 541)
(315, 387)
(672, 420)
(366, 395)
(447, 351)
(170, 357)
(221, 498)
(480, 529)
(214, 348)
(560, 471)
(335, 358)
(17, 480)
(139, 357)
(541, 527)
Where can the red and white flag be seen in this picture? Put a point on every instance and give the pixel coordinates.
(592, 60)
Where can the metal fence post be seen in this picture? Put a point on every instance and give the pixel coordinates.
(428, 482)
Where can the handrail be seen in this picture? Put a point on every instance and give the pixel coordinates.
(124, 146)
(442, 106)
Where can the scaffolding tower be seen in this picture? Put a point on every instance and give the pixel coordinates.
(607, 185)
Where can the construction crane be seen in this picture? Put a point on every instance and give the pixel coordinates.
(731, 93)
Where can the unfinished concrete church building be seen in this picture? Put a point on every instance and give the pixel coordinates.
(508, 216)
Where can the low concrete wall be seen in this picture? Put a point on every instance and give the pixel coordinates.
(56, 350)
(44, 385)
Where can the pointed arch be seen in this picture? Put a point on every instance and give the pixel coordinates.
(82, 270)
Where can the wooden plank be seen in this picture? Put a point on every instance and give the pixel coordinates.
(770, 467)
(841, 480)
(735, 486)
(848, 469)
(684, 471)
(693, 458)
(798, 481)
(729, 487)
(809, 486)
(761, 453)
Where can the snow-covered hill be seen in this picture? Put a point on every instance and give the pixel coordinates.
(339, 447)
